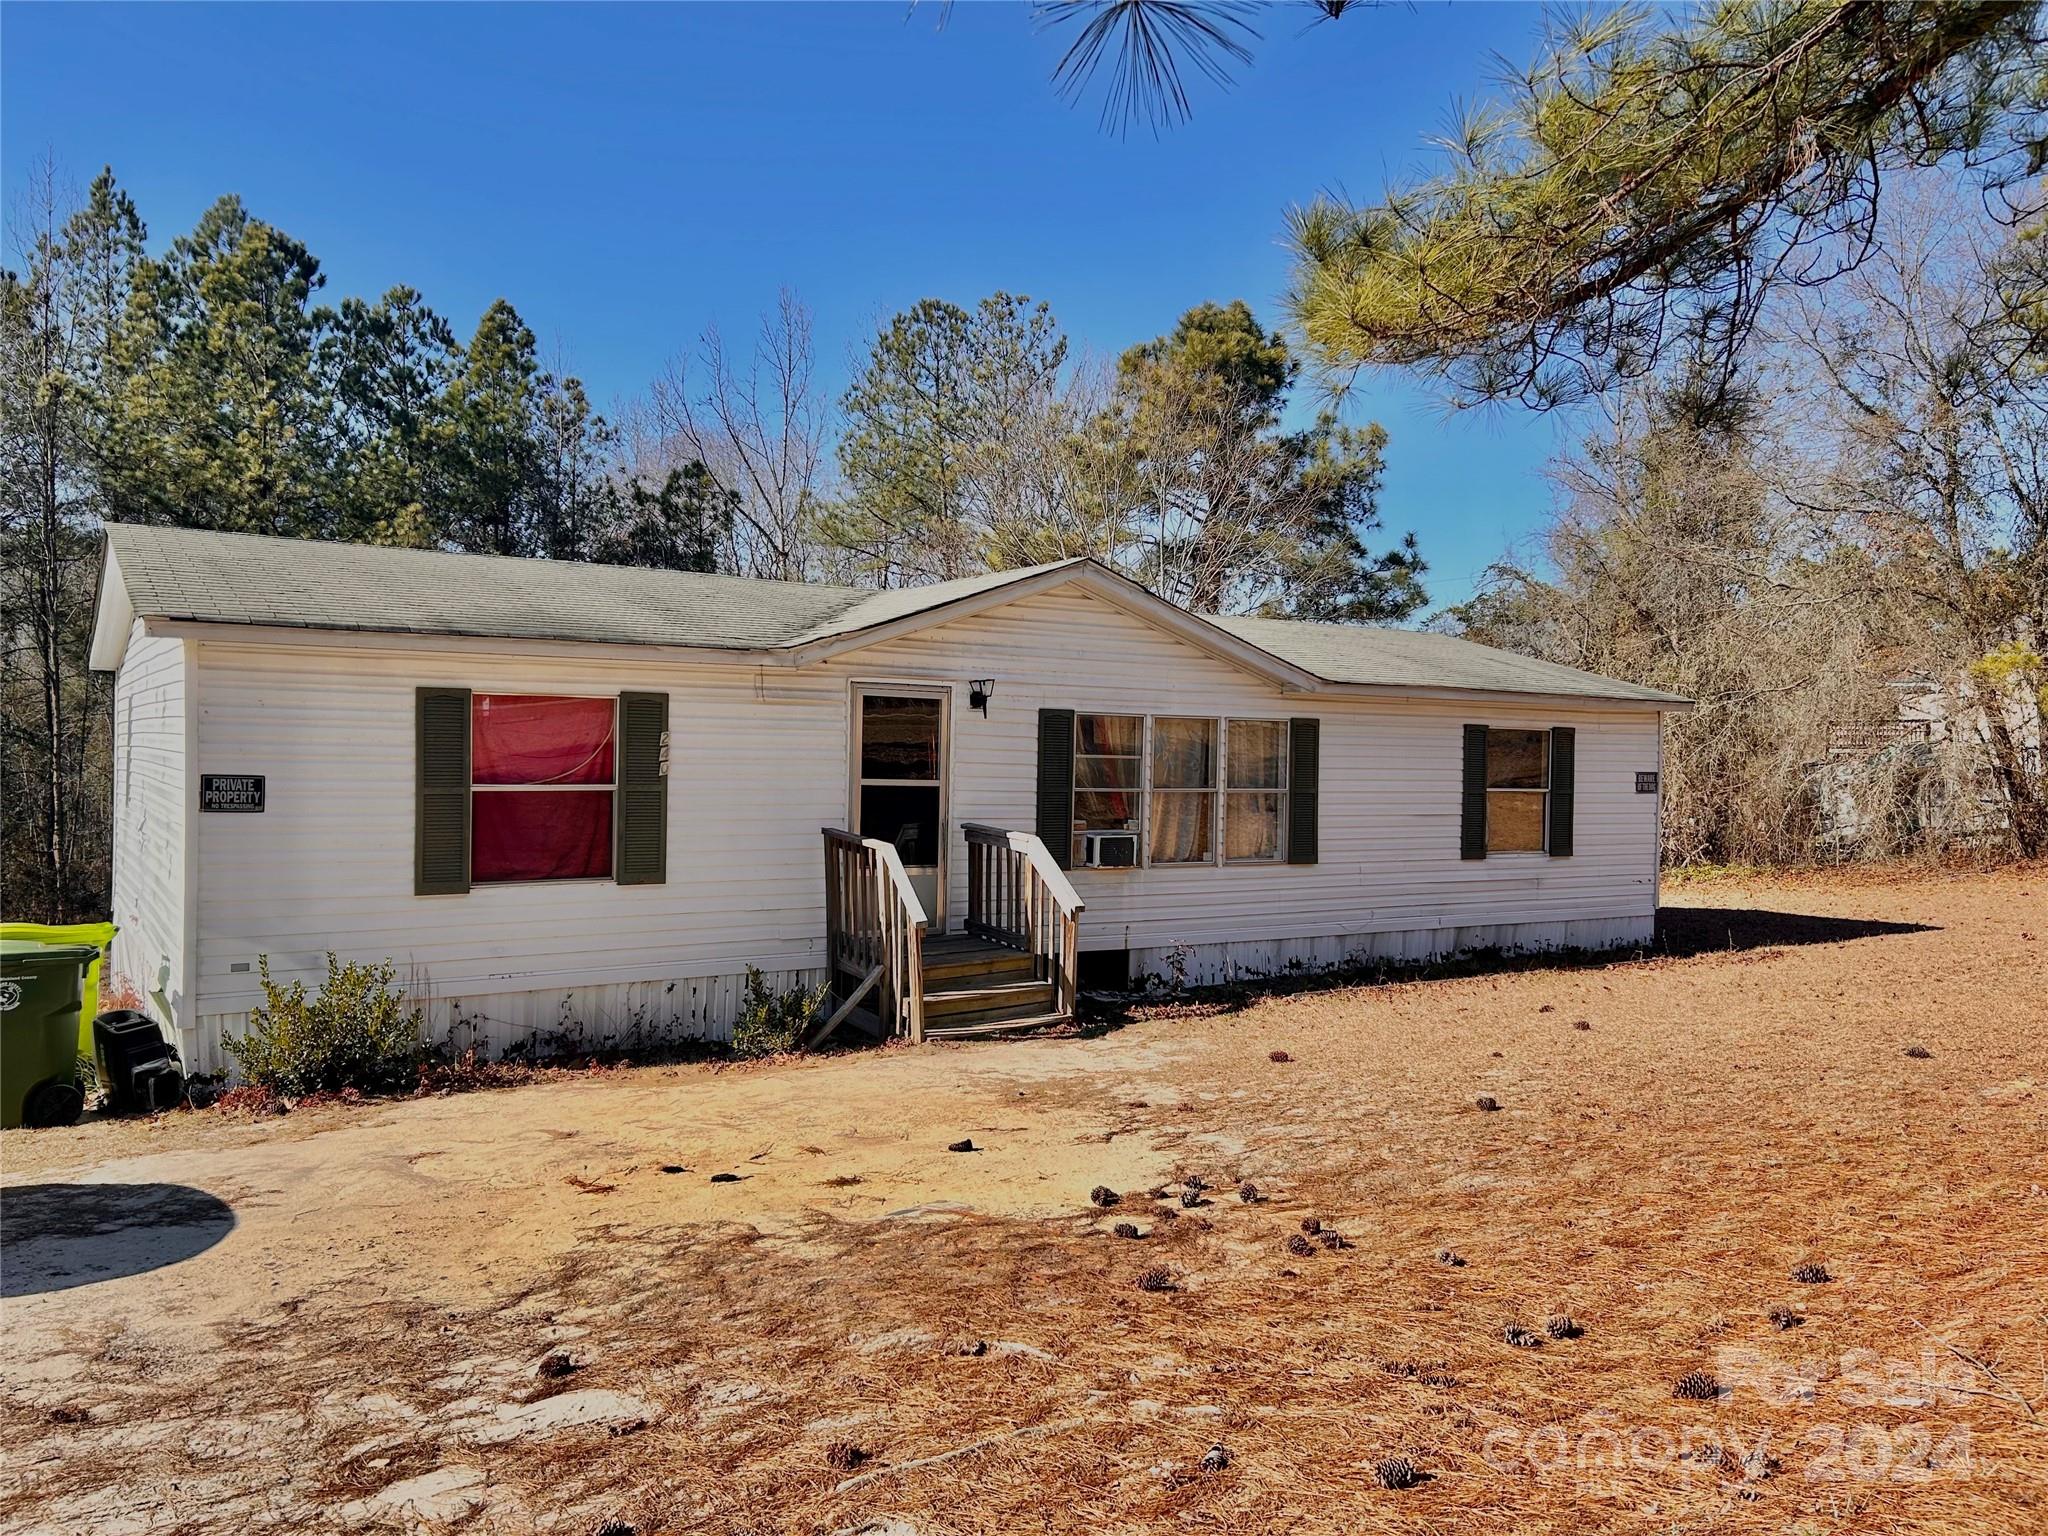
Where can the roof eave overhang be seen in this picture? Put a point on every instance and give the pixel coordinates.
(332, 637)
(1425, 693)
(113, 615)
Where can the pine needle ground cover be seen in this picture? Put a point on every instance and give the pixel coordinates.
(1725, 1258)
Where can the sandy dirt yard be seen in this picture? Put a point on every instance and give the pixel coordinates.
(769, 1299)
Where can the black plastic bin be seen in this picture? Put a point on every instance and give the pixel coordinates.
(139, 1067)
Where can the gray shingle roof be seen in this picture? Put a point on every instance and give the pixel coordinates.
(1407, 658)
(232, 578)
(237, 578)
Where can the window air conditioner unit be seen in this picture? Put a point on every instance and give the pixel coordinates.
(1109, 850)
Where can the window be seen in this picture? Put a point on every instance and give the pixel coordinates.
(1255, 798)
(1183, 791)
(1109, 775)
(1186, 786)
(1517, 784)
(899, 774)
(541, 786)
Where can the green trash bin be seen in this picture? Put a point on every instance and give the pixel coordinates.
(98, 934)
(40, 990)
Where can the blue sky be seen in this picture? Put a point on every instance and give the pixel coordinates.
(627, 174)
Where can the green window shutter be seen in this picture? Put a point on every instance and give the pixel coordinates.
(1056, 783)
(1563, 776)
(1472, 804)
(440, 839)
(1304, 770)
(642, 831)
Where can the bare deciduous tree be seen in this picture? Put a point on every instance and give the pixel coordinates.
(764, 431)
(1937, 439)
(1844, 564)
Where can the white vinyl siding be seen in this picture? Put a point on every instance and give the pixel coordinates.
(152, 819)
(759, 764)
(1389, 787)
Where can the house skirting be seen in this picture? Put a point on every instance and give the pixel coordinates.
(628, 1015)
(1208, 965)
(647, 1015)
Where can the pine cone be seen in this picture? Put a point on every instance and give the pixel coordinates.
(1397, 1472)
(1697, 1387)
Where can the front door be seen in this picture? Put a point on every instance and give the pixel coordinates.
(899, 788)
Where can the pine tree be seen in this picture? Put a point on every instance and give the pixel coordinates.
(494, 458)
(389, 366)
(1238, 512)
(1645, 186)
(572, 482)
(942, 384)
(221, 420)
(679, 526)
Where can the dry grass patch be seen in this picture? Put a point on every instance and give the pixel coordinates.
(946, 1356)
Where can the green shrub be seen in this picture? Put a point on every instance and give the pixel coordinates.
(357, 1034)
(771, 1022)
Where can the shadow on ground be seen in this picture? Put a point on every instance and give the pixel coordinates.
(1685, 931)
(56, 1236)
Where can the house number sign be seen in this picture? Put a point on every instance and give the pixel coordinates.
(231, 792)
(1646, 783)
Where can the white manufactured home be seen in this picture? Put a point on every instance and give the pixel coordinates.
(593, 797)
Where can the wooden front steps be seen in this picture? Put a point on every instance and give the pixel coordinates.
(975, 987)
(1015, 967)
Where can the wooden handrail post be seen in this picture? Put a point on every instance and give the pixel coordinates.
(1018, 895)
(874, 927)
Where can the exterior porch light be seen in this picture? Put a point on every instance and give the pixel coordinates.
(979, 691)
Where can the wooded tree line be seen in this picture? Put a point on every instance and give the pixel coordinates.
(1820, 474)
(1792, 252)
(1856, 520)
(208, 385)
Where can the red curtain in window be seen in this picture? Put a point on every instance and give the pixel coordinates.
(540, 739)
(535, 834)
(557, 832)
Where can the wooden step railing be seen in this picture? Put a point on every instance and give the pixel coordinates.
(1018, 895)
(874, 935)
